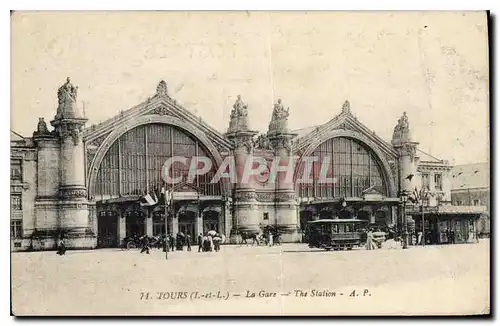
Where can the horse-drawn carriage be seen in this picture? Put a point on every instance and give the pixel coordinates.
(136, 241)
(263, 237)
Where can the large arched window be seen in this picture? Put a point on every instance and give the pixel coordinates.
(352, 165)
(134, 162)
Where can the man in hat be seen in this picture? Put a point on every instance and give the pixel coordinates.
(145, 244)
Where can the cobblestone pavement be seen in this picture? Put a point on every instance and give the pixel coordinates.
(246, 280)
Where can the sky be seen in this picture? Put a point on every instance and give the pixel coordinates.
(432, 65)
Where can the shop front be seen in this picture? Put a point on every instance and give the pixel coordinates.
(447, 224)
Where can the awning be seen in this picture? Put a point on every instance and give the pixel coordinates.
(384, 200)
(449, 210)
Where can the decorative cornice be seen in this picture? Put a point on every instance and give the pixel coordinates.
(73, 193)
(265, 196)
(247, 195)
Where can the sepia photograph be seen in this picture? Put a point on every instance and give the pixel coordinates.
(250, 163)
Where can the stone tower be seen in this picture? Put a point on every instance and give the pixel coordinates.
(408, 162)
(46, 222)
(73, 215)
(407, 149)
(286, 206)
(245, 202)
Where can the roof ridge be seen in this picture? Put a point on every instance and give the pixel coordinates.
(421, 151)
(17, 134)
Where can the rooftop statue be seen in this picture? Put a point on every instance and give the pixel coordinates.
(401, 132)
(279, 119)
(67, 95)
(239, 116)
(42, 126)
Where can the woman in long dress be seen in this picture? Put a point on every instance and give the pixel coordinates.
(370, 241)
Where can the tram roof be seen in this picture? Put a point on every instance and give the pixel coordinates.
(337, 221)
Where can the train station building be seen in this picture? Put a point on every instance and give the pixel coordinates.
(88, 181)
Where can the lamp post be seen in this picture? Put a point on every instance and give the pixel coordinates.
(404, 199)
(165, 245)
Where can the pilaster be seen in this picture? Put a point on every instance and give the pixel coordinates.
(281, 141)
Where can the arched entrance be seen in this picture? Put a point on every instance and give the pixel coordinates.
(129, 165)
(358, 175)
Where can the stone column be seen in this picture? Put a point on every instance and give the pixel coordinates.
(286, 218)
(198, 226)
(228, 219)
(73, 204)
(122, 227)
(221, 221)
(149, 224)
(175, 225)
(247, 216)
(245, 204)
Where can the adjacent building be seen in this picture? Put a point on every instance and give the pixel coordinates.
(85, 183)
(471, 187)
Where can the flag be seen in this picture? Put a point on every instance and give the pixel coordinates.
(414, 196)
(154, 196)
(149, 200)
(418, 195)
(168, 197)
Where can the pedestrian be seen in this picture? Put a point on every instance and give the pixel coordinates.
(419, 241)
(270, 239)
(172, 242)
(61, 248)
(452, 236)
(200, 242)
(211, 240)
(188, 242)
(180, 241)
(145, 244)
(166, 242)
(370, 241)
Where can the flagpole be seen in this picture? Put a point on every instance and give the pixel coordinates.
(166, 225)
(423, 223)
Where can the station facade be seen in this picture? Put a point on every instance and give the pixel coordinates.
(87, 181)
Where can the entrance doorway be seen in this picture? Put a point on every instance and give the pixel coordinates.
(211, 221)
(107, 229)
(186, 223)
(135, 224)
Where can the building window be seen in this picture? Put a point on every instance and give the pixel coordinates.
(476, 202)
(16, 170)
(16, 229)
(438, 182)
(266, 216)
(15, 202)
(352, 165)
(425, 181)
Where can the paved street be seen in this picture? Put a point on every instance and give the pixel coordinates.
(285, 280)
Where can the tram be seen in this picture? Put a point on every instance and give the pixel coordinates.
(336, 234)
